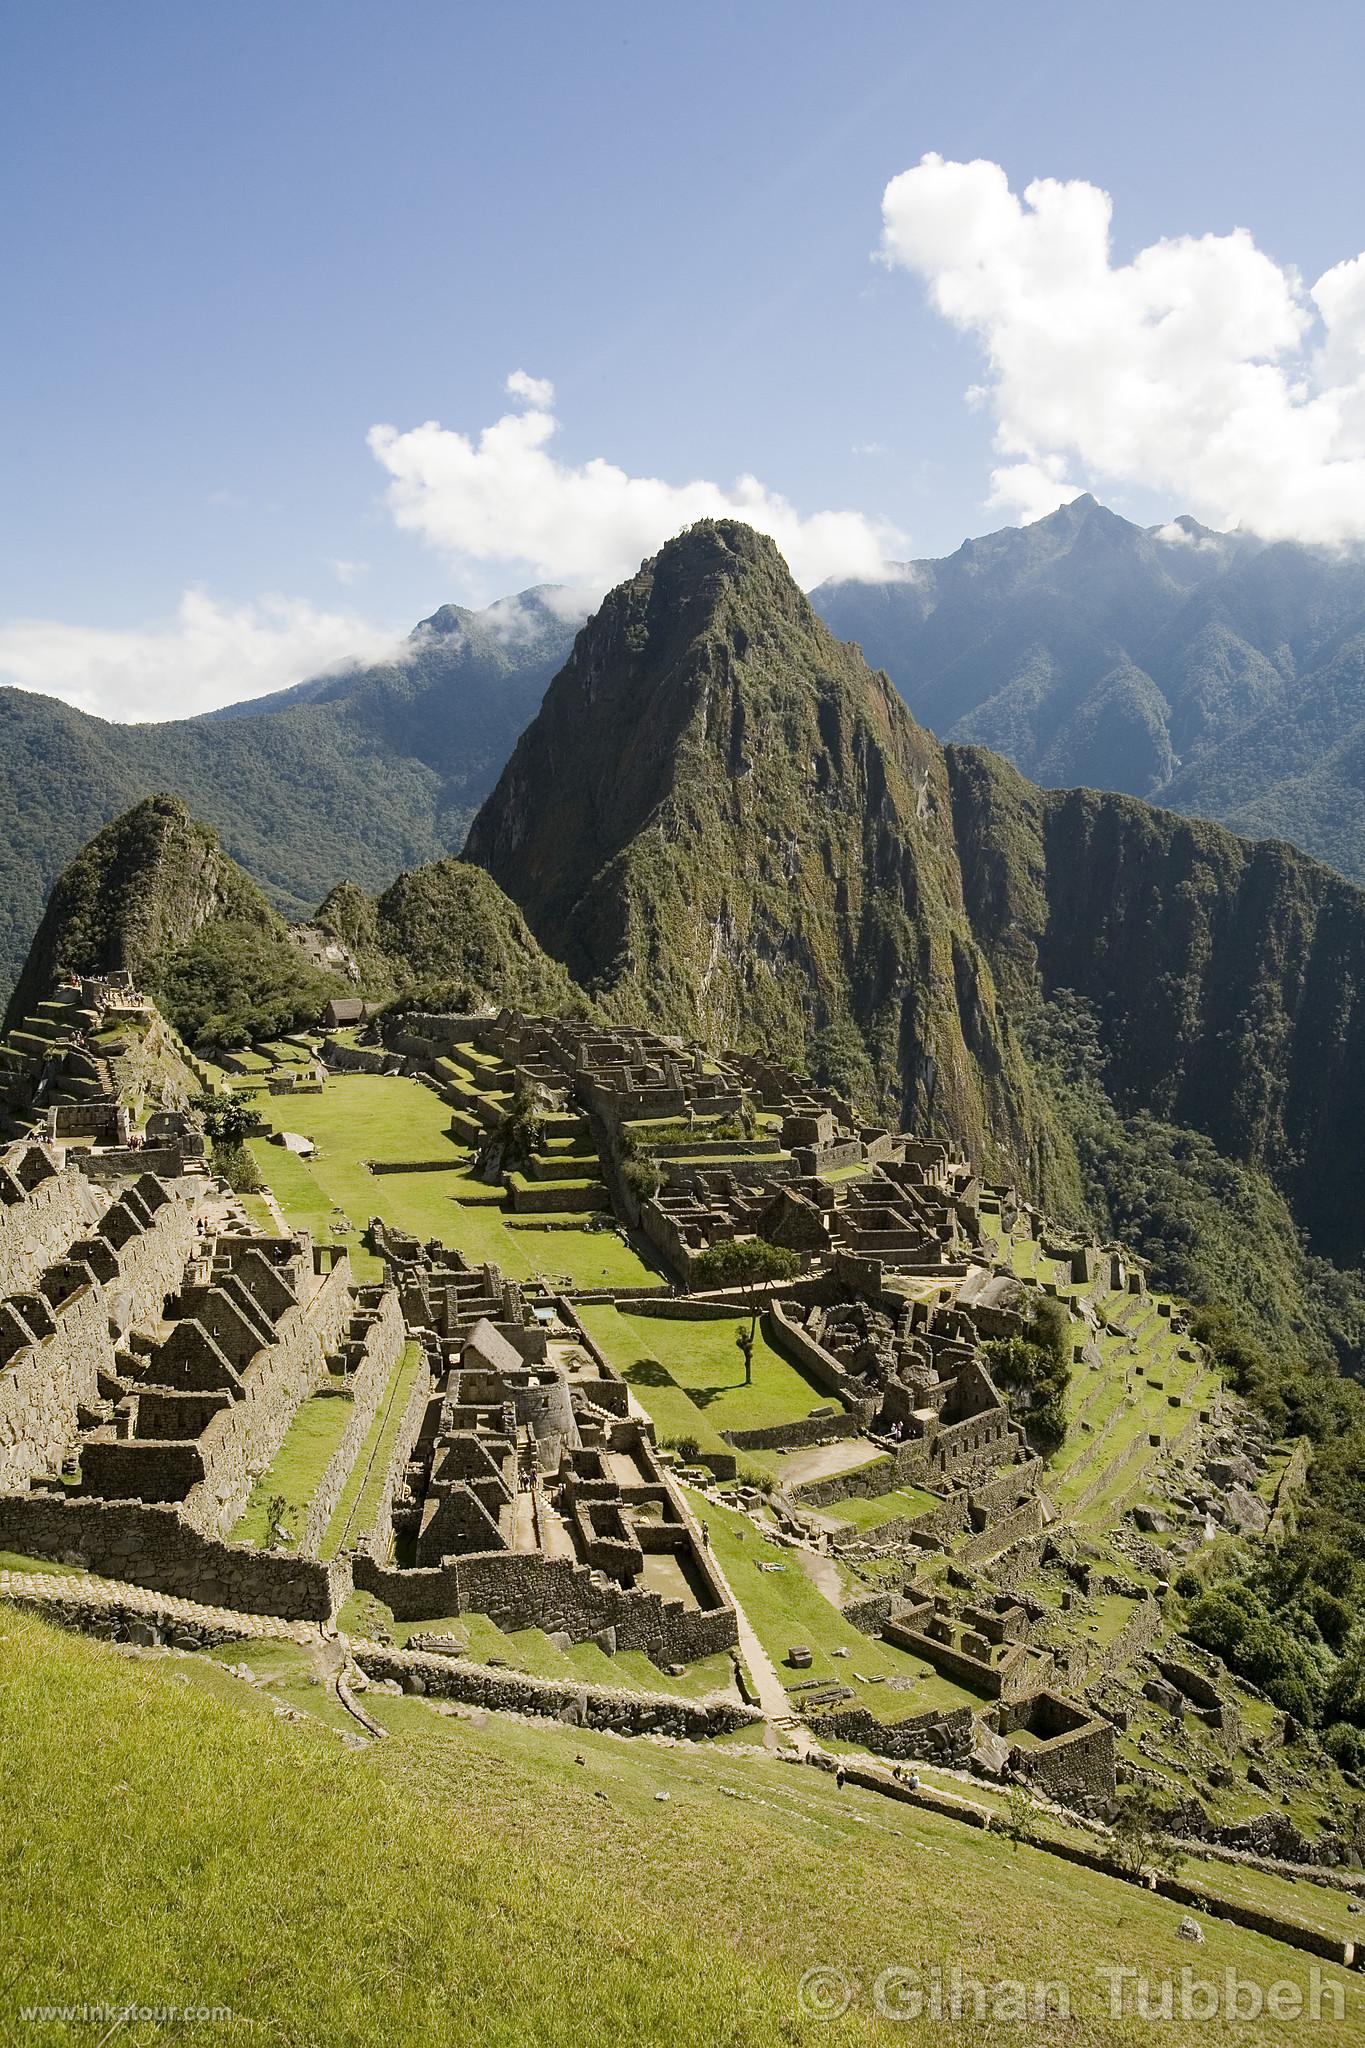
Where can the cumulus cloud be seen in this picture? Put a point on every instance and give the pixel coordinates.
(504, 498)
(1202, 368)
(207, 655)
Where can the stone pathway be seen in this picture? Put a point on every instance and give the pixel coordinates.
(782, 1729)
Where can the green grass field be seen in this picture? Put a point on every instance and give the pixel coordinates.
(703, 1360)
(786, 1610)
(358, 1504)
(508, 1884)
(882, 1507)
(293, 1474)
(359, 1117)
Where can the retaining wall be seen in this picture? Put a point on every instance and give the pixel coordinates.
(585, 1706)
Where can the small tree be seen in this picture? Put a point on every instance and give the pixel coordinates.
(749, 1264)
(225, 1119)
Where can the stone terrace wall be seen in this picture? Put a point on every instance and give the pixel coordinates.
(922, 1738)
(384, 1341)
(377, 1541)
(152, 1545)
(241, 1440)
(587, 1706)
(527, 1590)
(788, 1337)
(38, 1224)
(43, 1385)
(791, 1436)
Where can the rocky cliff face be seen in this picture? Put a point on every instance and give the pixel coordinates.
(1228, 975)
(726, 825)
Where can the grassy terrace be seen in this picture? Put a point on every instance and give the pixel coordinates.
(786, 1609)
(359, 1117)
(530, 1650)
(328, 1895)
(882, 1507)
(354, 1513)
(293, 1474)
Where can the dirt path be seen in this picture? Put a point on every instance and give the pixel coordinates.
(821, 1461)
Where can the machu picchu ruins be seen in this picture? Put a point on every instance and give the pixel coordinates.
(217, 1419)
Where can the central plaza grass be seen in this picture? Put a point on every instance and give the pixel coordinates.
(703, 1360)
(170, 1841)
(360, 1117)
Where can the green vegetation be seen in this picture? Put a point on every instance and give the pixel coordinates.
(613, 828)
(279, 1499)
(749, 1265)
(249, 1852)
(362, 773)
(353, 1516)
(359, 1117)
(1213, 680)
(787, 1611)
(234, 983)
(1033, 1372)
(699, 1360)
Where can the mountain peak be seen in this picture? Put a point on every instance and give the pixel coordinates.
(729, 827)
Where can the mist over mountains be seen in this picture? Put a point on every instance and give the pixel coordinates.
(358, 774)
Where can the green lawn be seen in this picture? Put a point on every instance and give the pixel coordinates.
(295, 1470)
(786, 1609)
(702, 1359)
(359, 1117)
(517, 1885)
(675, 1415)
(530, 1650)
(882, 1507)
(359, 1501)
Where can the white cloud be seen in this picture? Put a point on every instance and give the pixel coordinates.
(531, 390)
(504, 498)
(208, 655)
(348, 572)
(1201, 369)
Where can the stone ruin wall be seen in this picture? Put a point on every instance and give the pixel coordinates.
(583, 1706)
(384, 1341)
(151, 1544)
(44, 1385)
(240, 1440)
(526, 1590)
(38, 1224)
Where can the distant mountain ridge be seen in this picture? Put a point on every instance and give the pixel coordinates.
(725, 824)
(1217, 674)
(360, 773)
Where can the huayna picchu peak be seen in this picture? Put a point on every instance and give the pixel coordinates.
(724, 822)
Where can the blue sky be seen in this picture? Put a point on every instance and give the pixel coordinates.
(237, 238)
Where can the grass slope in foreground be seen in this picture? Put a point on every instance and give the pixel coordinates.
(508, 1884)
